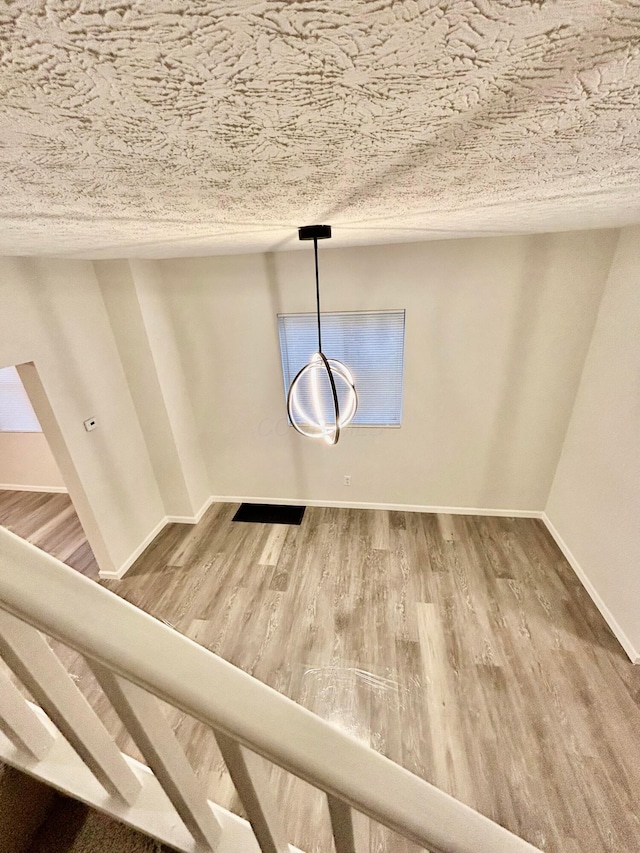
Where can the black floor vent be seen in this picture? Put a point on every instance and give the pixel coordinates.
(270, 513)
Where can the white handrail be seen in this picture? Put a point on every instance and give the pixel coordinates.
(49, 595)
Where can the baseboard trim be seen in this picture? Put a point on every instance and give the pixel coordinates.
(54, 490)
(625, 642)
(444, 510)
(609, 618)
(192, 519)
(168, 519)
(134, 556)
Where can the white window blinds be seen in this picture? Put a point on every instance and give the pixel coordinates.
(369, 343)
(16, 412)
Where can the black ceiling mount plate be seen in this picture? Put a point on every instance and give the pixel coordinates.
(314, 232)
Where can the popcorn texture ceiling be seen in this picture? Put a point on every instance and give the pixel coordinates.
(177, 127)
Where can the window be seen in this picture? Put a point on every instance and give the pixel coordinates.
(369, 343)
(16, 412)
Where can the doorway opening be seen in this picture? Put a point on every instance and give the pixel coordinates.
(36, 501)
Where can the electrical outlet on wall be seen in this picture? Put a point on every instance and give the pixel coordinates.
(347, 479)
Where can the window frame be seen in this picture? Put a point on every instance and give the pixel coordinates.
(403, 311)
(18, 383)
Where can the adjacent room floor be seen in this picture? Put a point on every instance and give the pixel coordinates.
(50, 522)
(462, 647)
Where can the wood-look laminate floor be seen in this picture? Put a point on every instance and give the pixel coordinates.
(50, 522)
(462, 647)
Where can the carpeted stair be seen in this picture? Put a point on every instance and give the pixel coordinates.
(24, 805)
(36, 819)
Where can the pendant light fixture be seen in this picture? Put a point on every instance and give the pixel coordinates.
(322, 398)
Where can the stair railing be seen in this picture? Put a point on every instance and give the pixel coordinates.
(139, 660)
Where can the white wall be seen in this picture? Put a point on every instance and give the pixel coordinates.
(26, 462)
(497, 331)
(127, 323)
(52, 314)
(132, 292)
(149, 285)
(497, 334)
(594, 502)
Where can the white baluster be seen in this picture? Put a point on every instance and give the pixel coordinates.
(19, 723)
(248, 774)
(342, 825)
(147, 725)
(28, 654)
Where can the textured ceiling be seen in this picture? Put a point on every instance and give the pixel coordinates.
(172, 127)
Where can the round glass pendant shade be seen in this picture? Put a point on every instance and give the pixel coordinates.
(322, 399)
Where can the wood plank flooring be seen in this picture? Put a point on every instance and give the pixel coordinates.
(50, 522)
(462, 647)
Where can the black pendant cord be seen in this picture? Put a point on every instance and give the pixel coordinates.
(316, 425)
(315, 252)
